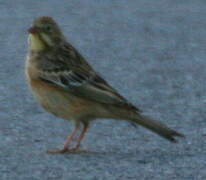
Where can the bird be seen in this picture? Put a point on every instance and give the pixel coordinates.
(66, 85)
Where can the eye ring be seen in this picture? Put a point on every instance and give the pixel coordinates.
(47, 28)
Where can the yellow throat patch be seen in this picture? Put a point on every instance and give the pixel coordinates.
(35, 42)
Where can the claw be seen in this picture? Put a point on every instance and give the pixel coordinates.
(58, 151)
(67, 150)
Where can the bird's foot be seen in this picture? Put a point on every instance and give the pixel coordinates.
(65, 150)
(60, 151)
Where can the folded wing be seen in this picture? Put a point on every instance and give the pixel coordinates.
(86, 84)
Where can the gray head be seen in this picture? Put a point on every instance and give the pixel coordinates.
(45, 33)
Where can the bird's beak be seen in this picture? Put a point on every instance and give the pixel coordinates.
(33, 30)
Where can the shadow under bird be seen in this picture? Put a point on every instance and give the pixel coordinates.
(67, 86)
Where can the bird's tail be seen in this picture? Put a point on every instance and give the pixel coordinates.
(156, 127)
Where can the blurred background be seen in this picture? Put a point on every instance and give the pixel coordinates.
(153, 52)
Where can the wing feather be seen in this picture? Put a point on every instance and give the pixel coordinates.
(72, 73)
(90, 86)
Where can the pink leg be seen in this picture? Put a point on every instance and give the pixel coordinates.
(84, 131)
(67, 142)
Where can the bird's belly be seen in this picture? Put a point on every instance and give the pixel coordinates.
(55, 103)
(62, 103)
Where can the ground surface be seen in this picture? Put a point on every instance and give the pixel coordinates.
(152, 51)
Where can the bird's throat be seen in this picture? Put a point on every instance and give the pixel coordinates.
(36, 44)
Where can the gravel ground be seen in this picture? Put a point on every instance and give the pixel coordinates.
(152, 51)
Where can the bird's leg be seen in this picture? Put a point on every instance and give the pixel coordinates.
(84, 131)
(67, 142)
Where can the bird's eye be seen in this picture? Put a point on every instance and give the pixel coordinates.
(48, 28)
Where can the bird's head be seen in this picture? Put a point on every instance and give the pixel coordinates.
(44, 34)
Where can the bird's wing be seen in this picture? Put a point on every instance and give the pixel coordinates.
(70, 71)
(85, 83)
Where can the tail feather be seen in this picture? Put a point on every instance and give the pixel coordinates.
(157, 127)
